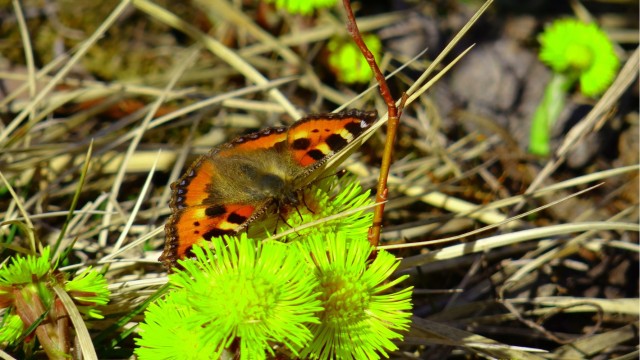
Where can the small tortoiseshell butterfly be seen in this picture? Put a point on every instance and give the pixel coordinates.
(225, 190)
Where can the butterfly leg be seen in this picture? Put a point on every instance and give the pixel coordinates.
(285, 220)
(304, 201)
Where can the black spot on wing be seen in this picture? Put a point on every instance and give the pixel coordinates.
(336, 142)
(356, 128)
(315, 154)
(301, 144)
(216, 233)
(189, 253)
(215, 210)
(235, 218)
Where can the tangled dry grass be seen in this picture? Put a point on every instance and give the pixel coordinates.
(103, 105)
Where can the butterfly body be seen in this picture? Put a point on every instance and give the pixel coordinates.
(236, 183)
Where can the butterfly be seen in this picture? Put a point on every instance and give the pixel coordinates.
(236, 183)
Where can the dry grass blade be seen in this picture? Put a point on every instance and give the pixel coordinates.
(84, 339)
(417, 88)
(33, 243)
(63, 72)
(501, 223)
(440, 333)
(218, 49)
(217, 100)
(613, 306)
(595, 344)
(28, 51)
(564, 268)
(566, 249)
(223, 10)
(509, 239)
(115, 190)
(136, 208)
(5, 356)
(136, 243)
(74, 201)
(321, 32)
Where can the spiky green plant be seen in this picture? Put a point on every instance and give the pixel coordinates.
(576, 52)
(27, 291)
(252, 298)
(346, 60)
(304, 7)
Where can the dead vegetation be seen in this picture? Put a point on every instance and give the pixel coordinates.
(539, 257)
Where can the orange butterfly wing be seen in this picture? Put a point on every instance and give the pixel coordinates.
(315, 138)
(195, 215)
(199, 213)
(193, 187)
(195, 223)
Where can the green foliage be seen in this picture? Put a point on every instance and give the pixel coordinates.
(88, 289)
(312, 296)
(26, 270)
(346, 60)
(242, 289)
(167, 332)
(583, 50)
(11, 329)
(359, 320)
(546, 113)
(27, 292)
(575, 51)
(304, 7)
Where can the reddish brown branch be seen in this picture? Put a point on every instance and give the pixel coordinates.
(392, 125)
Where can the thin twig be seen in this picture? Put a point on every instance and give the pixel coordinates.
(392, 125)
